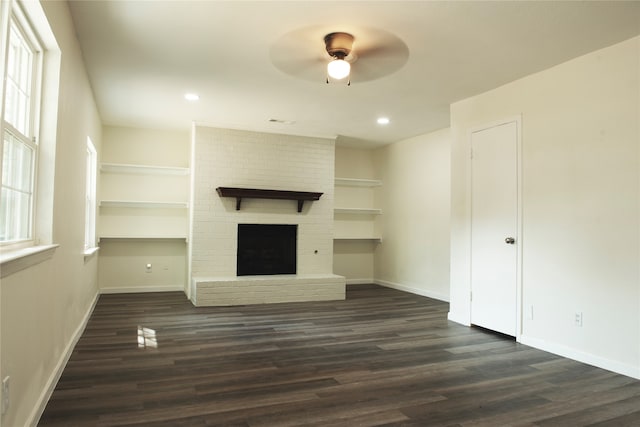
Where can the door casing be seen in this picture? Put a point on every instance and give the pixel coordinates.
(519, 226)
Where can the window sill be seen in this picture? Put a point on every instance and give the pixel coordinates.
(90, 252)
(16, 260)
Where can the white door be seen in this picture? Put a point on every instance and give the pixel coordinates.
(494, 211)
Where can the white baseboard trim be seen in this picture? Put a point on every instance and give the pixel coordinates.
(461, 319)
(412, 290)
(39, 408)
(139, 289)
(360, 281)
(580, 356)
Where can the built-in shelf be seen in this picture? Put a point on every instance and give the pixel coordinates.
(142, 204)
(254, 193)
(357, 211)
(356, 182)
(142, 169)
(350, 239)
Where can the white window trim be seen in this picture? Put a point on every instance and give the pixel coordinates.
(23, 254)
(17, 15)
(90, 197)
(90, 253)
(16, 260)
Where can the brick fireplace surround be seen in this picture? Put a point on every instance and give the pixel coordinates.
(232, 158)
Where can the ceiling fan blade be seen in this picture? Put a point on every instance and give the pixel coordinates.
(382, 51)
(372, 66)
(297, 66)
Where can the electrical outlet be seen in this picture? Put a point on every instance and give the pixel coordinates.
(5, 394)
(577, 320)
(530, 312)
(149, 268)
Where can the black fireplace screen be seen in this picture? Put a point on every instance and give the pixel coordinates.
(266, 249)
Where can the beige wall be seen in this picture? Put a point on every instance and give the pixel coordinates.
(580, 204)
(353, 259)
(414, 197)
(355, 163)
(150, 147)
(122, 265)
(44, 306)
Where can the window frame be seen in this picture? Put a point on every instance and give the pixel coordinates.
(18, 20)
(91, 196)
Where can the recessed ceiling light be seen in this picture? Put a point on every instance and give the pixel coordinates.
(383, 120)
(191, 96)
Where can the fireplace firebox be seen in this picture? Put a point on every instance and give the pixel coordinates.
(265, 249)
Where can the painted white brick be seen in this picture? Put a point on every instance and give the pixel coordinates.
(223, 291)
(232, 158)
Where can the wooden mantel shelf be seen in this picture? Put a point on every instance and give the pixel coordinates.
(254, 193)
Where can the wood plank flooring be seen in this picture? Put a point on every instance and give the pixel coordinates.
(380, 358)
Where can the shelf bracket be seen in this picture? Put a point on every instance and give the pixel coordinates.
(300, 204)
(238, 202)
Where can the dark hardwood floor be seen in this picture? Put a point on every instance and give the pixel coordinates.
(380, 358)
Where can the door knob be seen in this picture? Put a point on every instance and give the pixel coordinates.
(510, 240)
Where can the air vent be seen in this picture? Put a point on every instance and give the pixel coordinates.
(284, 122)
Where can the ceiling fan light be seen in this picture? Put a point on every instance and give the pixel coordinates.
(338, 69)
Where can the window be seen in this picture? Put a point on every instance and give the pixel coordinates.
(90, 201)
(19, 131)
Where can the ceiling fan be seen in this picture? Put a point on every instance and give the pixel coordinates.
(339, 46)
(359, 54)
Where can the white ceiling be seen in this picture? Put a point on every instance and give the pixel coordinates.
(142, 56)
